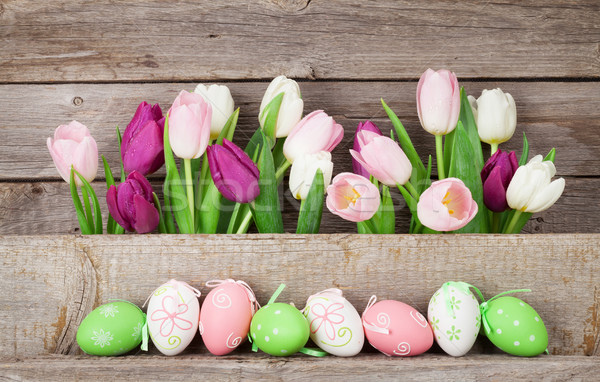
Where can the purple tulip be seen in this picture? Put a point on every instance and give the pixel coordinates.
(142, 149)
(233, 172)
(357, 168)
(496, 176)
(131, 204)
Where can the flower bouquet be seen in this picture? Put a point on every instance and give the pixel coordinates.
(212, 185)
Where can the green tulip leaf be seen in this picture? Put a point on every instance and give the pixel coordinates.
(407, 147)
(461, 167)
(173, 189)
(86, 190)
(111, 224)
(551, 155)
(448, 146)
(83, 223)
(385, 219)
(271, 111)
(120, 139)
(161, 222)
(265, 209)
(525, 154)
(311, 209)
(470, 126)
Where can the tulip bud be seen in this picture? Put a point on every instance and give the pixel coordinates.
(221, 102)
(496, 115)
(234, 173)
(530, 189)
(357, 168)
(315, 132)
(304, 170)
(352, 197)
(131, 204)
(291, 107)
(142, 147)
(189, 125)
(447, 205)
(496, 176)
(74, 146)
(383, 158)
(438, 101)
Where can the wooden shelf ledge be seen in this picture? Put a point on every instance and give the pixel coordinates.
(260, 366)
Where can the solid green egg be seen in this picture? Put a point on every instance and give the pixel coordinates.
(515, 327)
(279, 329)
(111, 329)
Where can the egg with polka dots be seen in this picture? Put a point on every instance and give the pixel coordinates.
(279, 329)
(514, 326)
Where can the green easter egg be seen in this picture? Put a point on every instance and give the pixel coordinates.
(111, 329)
(515, 327)
(279, 329)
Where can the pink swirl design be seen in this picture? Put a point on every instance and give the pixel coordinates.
(221, 300)
(234, 343)
(326, 317)
(420, 319)
(170, 320)
(403, 349)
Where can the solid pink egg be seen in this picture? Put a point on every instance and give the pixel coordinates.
(225, 318)
(397, 329)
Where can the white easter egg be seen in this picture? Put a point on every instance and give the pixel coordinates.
(173, 315)
(455, 318)
(335, 325)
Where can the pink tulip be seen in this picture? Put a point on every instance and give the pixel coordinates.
(446, 205)
(352, 197)
(74, 146)
(382, 158)
(315, 132)
(438, 101)
(189, 125)
(369, 126)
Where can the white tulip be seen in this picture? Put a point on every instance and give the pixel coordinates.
(304, 170)
(530, 189)
(221, 102)
(291, 108)
(496, 115)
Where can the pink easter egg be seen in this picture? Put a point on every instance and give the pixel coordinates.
(396, 329)
(225, 315)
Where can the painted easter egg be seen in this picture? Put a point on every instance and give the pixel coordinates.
(514, 326)
(455, 318)
(173, 313)
(396, 329)
(225, 315)
(335, 325)
(111, 329)
(279, 329)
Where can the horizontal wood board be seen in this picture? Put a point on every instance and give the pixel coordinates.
(152, 40)
(564, 115)
(59, 279)
(374, 367)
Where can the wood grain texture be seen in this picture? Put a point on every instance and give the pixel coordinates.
(153, 40)
(43, 208)
(564, 115)
(301, 368)
(44, 271)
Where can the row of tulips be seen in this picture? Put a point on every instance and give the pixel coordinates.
(222, 188)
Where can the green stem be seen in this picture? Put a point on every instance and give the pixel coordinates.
(494, 147)
(190, 187)
(301, 207)
(244, 224)
(234, 215)
(513, 222)
(495, 222)
(88, 208)
(370, 226)
(412, 190)
(439, 151)
(281, 170)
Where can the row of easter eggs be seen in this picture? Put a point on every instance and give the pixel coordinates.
(230, 313)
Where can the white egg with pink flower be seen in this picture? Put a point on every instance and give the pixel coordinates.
(335, 325)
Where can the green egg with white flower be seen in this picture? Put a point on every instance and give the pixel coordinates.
(111, 329)
(279, 329)
(514, 326)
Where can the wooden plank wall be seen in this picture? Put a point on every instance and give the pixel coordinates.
(50, 283)
(94, 61)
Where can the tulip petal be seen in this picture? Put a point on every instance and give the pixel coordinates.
(146, 217)
(74, 131)
(545, 198)
(85, 158)
(494, 193)
(145, 151)
(113, 208)
(56, 149)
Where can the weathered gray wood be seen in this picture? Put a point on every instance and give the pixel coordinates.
(43, 208)
(43, 275)
(108, 41)
(561, 114)
(375, 367)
